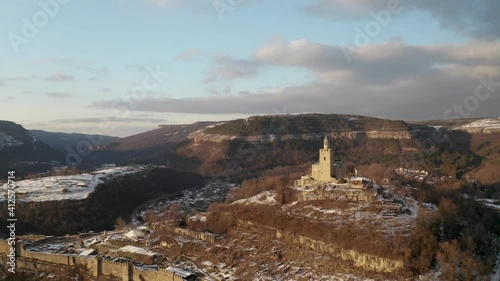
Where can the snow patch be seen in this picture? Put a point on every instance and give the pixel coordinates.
(73, 187)
(483, 125)
(265, 198)
(7, 141)
(137, 250)
(133, 234)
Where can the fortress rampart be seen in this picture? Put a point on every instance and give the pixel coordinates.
(362, 260)
(96, 266)
(193, 234)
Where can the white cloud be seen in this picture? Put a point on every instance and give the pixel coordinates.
(228, 68)
(59, 95)
(392, 79)
(477, 19)
(188, 54)
(59, 77)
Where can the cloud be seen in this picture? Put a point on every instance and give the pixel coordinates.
(106, 90)
(476, 19)
(80, 64)
(138, 67)
(392, 79)
(215, 91)
(110, 118)
(381, 63)
(194, 4)
(165, 3)
(59, 77)
(6, 80)
(188, 54)
(227, 68)
(57, 95)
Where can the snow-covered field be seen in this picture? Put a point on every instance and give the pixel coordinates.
(73, 187)
(488, 125)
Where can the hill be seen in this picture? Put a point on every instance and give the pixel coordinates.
(60, 141)
(157, 147)
(476, 125)
(22, 151)
(165, 134)
(306, 123)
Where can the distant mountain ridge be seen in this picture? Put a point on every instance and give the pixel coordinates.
(165, 134)
(60, 141)
(18, 145)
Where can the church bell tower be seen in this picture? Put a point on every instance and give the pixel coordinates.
(326, 164)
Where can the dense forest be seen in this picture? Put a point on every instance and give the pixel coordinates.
(307, 123)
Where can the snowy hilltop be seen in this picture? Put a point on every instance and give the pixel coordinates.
(72, 187)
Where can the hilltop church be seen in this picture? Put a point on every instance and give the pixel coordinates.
(326, 170)
(328, 181)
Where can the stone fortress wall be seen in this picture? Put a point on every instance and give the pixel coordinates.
(360, 260)
(96, 266)
(207, 237)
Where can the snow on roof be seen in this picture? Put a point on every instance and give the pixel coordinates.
(133, 234)
(144, 228)
(137, 250)
(360, 179)
(113, 237)
(87, 252)
(92, 241)
(65, 187)
(179, 271)
(198, 217)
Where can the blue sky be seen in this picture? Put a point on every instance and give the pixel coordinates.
(262, 57)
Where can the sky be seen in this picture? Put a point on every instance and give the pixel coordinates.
(120, 67)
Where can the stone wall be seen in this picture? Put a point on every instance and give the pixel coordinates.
(92, 265)
(361, 260)
(160, 275)
(4, 247)
(115, 269)
(96, 266)
(337, 194)
(207, 237)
